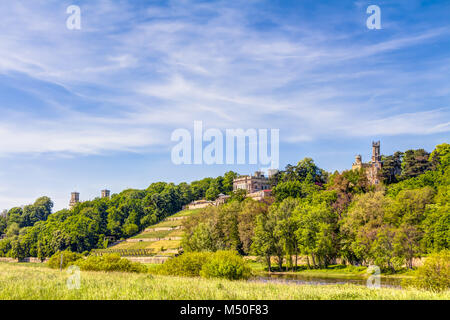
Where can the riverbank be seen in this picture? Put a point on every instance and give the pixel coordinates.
(333, 271)
(28, 281)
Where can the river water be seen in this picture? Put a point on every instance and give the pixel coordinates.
(301, 279)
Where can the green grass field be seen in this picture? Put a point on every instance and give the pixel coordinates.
(153, 234)
(33, 281)
(167, 223)
(159, 234)
(186, 213)
(176, 233)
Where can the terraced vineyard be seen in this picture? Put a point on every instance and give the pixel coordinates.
(163, 238)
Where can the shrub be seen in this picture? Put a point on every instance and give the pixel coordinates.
(226, 264)
(221, 264)
(434, 275)
(108, 263)
(67, 258)
(186, 265)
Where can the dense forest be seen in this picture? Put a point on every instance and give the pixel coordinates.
(319, 215)
(326, 217)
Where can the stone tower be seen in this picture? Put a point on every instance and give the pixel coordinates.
(375, 167)
(358, 164)
(376, 156)
(74, 199)
(106, 193)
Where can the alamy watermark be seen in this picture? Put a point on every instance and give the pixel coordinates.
(230, 148)
(374, 280)
(73, 22)
(374, 21)
(74, 279)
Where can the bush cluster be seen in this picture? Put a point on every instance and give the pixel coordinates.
(434, 274)
(226, 264)
(185, 265)
(63, 259)
(108, 263)
(221, 264)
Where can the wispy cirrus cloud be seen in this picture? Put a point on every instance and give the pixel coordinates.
(130, 69)
(418, 123)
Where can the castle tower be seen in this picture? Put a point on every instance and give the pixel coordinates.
(358, 163)
(74, 199)
(106, 193)
(376, 155)
(374, 173)
(373, 168)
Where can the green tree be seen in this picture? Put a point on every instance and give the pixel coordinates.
(228, 182)
(415, 163)
(5, 247)
(436, 225)
(361, 223)
(285, 230)
(382, 249)
(316, 232)
(228, 226)
(15, 215)
(17, 250)
(238, 195)
(407, 243)
(434, 274)
(247, 222)
(200, 239)
(440, 157)
(3, 224)
(13, 230)
(130, 229)
(212, 193)
(263, 243)
(305, 170)
(392, 168)
(284, 190)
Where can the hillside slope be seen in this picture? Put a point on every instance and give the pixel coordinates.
(163, 238)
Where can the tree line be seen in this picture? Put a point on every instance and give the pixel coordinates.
(322, 216)
(34, 231)
(328, 217)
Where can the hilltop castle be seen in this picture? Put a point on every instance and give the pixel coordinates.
(373, 168)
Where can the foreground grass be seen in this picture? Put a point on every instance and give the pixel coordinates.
(21, 281)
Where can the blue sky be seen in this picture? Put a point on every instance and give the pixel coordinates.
(93, 108)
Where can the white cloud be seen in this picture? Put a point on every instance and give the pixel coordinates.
(74, 138)
(165, 72)
(419, 123)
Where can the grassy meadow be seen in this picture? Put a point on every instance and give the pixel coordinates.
(37, 281)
